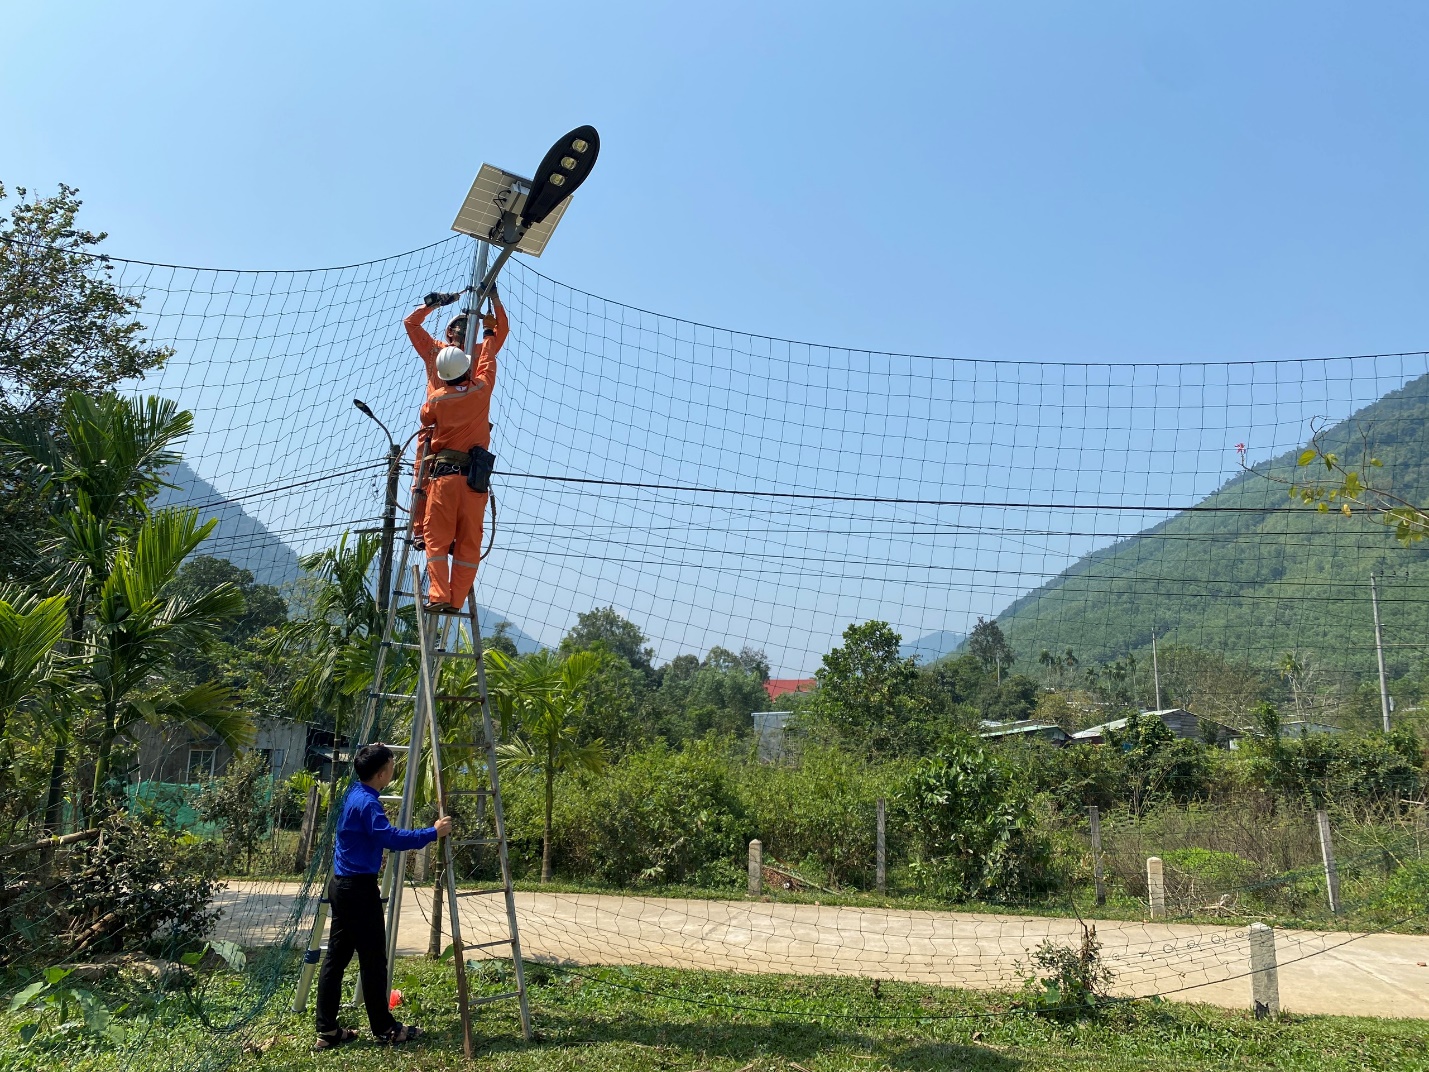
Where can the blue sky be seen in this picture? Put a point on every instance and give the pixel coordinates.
(1055, 181)
(1113, 184)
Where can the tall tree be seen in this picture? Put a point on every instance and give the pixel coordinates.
(336, 640)
(989, 646)
(97, 464)
(65, 326)
(545, 693)
(867, 691)
(30, 627)
(605, 627)
(139, 631)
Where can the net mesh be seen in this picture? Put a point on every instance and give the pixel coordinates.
(725, 489)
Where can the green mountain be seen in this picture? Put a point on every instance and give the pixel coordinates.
(1252, 574)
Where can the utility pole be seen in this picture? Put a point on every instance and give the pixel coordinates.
(389, 510)
(389, 529)
(1379, 654)
(1156, 671)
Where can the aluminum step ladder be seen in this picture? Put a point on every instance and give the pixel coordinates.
(438, 641)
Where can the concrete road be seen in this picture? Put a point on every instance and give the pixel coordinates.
(1320, 972)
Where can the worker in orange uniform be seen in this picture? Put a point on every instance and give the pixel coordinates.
(496, 328)
(456, 421)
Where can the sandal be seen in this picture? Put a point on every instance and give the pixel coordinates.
(334, 1039)
(401, 1033)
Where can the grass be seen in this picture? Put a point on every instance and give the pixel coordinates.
(655, 1020)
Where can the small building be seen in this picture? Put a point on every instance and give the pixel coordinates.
(1026, 728)
(1300, 729)
(776, 687)
(179, 755)
(769, 733)
(1178, 720)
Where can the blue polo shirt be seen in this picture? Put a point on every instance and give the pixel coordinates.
(363, 832)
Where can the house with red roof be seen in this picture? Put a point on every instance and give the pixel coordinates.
(778, 686)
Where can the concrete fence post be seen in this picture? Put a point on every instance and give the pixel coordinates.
(756, 868)
(1156, 886)
(1327, 853)
(1094, 815)
(1264, 978)
(882, 847)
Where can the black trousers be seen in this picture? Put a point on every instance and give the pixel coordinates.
(357, 927)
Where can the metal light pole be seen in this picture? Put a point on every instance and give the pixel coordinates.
(389, 512)
(1156, 671)
(1379, 654)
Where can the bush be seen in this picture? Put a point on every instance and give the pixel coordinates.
(658, 816)
(972, 829)
(137, 886)
(1066, 982)
(239, 803)
(822, 811)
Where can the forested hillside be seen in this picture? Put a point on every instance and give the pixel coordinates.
(1252, 574)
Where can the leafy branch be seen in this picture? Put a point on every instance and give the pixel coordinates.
(1328, 481)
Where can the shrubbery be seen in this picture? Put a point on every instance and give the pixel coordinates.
(821, 813)
(971, 827)
(136, 886)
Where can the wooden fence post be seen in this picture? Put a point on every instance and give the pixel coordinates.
(1327, 853)
(1264, 978)
(882, 847)
(1094, 814)
(1156, 886)
(756, 868)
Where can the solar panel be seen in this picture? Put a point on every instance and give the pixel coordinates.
(496, 191)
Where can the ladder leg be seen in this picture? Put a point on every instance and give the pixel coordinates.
(499, 816)
(429, 681)
(311, 956)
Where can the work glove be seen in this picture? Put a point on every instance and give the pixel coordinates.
(437, 297)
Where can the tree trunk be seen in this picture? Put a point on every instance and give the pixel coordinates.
(54, 799)
(101, 765)
(546, 831)
(434, 939)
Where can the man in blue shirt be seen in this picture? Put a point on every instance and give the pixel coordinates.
(356, 902)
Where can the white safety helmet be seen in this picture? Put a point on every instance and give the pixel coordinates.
(452, 363)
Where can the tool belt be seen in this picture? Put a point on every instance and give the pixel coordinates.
(476, 465)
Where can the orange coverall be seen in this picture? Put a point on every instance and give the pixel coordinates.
(428, 348)
(457, 417)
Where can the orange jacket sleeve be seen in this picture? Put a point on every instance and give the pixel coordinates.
(485, 370)
(423, 342)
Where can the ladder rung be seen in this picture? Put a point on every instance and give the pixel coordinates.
(394, 695)
(480, 893)
(447, 613)
(389, 796)
(488, 945)
(494, 997)
(401, 644)
(468, 792)
(442, 653)
(400, 747)
(476, 841)
(399, 592)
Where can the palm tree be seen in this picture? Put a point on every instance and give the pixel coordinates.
(107, 460)
(138, 631)
(544, 693)
(336, 641)
(30, 627)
